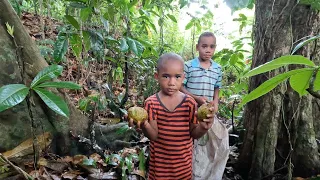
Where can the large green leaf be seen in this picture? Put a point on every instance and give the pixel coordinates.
(60, 47)
(233, 59)
(11, 95)
(281, 61)
(47, 73)
(61, 84)
(72, 21)
(123, 45)
(76, 45)
(304, 43)
(316, 85)
(300, 81)
(269, 85)
(135, 46)
(53, 101)
(86, 40)
(85, 13)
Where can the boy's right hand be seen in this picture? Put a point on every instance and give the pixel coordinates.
(201, 100)
(138, 126)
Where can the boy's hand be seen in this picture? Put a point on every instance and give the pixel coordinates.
(138, 126)
(207, 123)
(215, 105)
(201, 100)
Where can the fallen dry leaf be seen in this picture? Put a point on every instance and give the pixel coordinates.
(26, 147)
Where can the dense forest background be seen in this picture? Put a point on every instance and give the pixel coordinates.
(110, 48)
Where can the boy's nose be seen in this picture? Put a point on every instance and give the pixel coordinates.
(172, 81)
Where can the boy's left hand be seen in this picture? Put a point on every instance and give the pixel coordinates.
(207, 123)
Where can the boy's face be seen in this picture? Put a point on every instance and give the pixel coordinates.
(170, 76)
(206, 47)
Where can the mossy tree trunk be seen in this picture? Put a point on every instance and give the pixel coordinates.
(15, 123)
(281, 127)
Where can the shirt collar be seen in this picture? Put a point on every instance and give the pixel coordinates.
(196, 63)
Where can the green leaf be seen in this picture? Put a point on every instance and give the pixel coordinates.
(281, 61)
(86, 40)
(53, 101)
(60, 47)
(83, 104)
(142, 161)
(316, 85)
(11, 95)
(79, 5)
(268, 85)
(114, 159)
(172, 18)
(105, 23)
(315, 4)
(47, 73)
(304, 43)
(85, 13)
(61, 84)
(189, 25)
(233, 59)
(128, 161)
(183, 3)
(89, 162)
(73, 21)
(300, 81)
(76, 45)
(123, 45)
(135, 46)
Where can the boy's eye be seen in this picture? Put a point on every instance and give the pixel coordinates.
(178, 76)
(213, 46)
(165, 76)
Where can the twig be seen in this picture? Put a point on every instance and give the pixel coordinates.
(26, 175)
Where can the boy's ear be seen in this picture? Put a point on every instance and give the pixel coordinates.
(156, 75)
(197, 47)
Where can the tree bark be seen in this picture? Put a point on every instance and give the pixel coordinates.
(280, 126)
(15, 122)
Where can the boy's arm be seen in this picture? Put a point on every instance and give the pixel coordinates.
(150, 129)
(198, 130)
(199, 99)
(216, 99)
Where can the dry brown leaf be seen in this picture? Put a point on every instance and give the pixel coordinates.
(26, 147)
(66, 159)
(96, 157)
(69, 175)
(78, 159)
(127, 151)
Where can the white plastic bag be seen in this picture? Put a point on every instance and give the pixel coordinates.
(209, 160)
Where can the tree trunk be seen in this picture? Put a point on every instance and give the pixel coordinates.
(15, 122)
(280, 126)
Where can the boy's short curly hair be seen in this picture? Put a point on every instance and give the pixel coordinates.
(168, 56)
(206, 34)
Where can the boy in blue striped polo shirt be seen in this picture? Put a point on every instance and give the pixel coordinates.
(202, 82)
(203, 75)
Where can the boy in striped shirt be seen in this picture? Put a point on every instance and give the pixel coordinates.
(172, 123)
(203, 75)
(202, 82)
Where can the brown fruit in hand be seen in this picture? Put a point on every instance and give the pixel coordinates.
(138, 114)
(203, 111)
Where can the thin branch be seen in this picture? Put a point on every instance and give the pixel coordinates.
(26, 175)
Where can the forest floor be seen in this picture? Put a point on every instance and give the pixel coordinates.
(91, 77)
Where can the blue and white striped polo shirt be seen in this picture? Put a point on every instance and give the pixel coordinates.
(200, 81)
